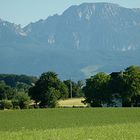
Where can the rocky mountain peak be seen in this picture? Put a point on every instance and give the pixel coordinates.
(85, 39)
(87, 10)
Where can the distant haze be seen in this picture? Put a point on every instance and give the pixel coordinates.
(84, 40)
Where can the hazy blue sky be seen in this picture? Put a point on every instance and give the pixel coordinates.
(26, 11)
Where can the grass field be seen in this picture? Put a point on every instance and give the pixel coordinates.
(71, 124)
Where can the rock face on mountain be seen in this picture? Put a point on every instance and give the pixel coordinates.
(85, 39)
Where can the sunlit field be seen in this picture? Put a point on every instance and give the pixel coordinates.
(71, 124)
(74, 102)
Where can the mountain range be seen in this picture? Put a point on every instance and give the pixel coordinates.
(84, 40)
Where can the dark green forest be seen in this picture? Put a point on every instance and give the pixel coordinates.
(100, 90)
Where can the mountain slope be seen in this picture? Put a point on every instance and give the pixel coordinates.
(88, 26)
(85, 39)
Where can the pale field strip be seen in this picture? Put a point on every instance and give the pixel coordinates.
(77, 102)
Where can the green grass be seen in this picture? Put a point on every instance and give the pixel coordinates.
(71, 124)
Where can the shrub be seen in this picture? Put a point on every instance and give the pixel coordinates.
(15, 104)
(22, 100)
(6, 104)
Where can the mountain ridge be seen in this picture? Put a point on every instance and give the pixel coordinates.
(83, 40)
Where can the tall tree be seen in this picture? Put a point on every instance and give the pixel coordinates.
(126, 85)
(132, 82)
(97, 90)
(48, 88)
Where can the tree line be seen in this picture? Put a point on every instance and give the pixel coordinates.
(118, 87)
(115, 89)
(21, 91)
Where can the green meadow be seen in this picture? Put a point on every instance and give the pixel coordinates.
(70, 124)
